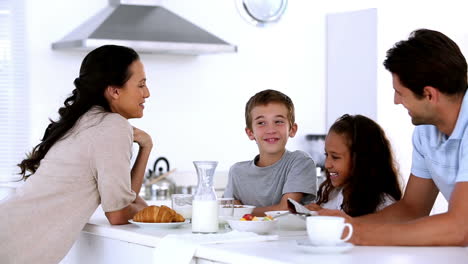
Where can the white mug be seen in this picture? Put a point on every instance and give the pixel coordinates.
(327, 230)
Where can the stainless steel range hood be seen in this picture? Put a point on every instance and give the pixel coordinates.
(147, 27)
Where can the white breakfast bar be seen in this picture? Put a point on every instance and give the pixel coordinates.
(101, 242)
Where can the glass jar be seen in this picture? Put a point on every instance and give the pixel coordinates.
(205, 205)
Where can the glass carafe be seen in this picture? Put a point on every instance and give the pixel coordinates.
(205, 205)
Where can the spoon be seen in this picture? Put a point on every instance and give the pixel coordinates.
(281, 214)
(297, 208)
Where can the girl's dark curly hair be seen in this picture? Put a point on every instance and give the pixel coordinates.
(102, 67)
(373, 171)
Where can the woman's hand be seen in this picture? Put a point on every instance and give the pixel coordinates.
(142, 138)
(313, 207)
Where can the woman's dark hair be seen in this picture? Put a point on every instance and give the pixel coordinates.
(102, 67)
(373, 171)
(428, 58)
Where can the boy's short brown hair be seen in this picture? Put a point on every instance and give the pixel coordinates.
(265, 97)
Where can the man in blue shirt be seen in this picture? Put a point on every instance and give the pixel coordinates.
(430, 80)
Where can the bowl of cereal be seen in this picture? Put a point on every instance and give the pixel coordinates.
(241, 209)
(259, 225)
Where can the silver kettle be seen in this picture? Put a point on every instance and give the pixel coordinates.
(164, 188)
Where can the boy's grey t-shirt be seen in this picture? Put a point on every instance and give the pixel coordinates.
(264, 186)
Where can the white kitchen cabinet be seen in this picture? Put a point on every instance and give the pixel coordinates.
(92, 248)
(351, 64)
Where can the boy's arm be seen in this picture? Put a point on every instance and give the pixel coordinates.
(281, 206)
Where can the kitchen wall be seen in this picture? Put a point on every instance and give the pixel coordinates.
(196, 106)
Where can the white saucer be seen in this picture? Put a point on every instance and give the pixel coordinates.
(305, 245)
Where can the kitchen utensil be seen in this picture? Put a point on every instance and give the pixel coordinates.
(297, 208)
(160, 177)
(152, 173)
(161, 187)
(187, 189)
(146, 192)
(279, 215)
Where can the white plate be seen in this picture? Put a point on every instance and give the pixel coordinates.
(160, 225)
(305, 245)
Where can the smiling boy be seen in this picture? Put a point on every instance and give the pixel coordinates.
(275, 174)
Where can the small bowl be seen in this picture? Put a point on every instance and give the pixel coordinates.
(259, 227)
(289, 221)
(241, 210)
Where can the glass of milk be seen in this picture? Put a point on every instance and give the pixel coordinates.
(182, 204)
(225, 210)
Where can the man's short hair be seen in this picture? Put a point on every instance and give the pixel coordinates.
(428, 58)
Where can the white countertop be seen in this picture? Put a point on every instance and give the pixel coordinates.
(284, 250)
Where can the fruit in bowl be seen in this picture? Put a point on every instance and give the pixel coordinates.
(288, 221)
(241, 209)
(250, 223)
(249, 217)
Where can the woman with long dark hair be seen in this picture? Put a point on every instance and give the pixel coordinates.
(83, 160)
(361, 176)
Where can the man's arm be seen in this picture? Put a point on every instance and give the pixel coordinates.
(281, 206)
(406, 223)
(419, 197)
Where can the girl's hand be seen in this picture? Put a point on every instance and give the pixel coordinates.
(142, 138)
(313, 207)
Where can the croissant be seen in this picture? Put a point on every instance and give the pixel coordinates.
(165, 215)
(178, 218)
(156, 214)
